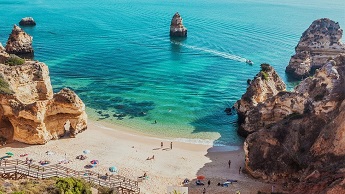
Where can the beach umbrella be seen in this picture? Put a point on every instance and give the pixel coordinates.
(113, 169)
(86, 151)
(94, 162)
(9, 153)
(200, 177)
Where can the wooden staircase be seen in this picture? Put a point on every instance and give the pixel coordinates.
(18, 169)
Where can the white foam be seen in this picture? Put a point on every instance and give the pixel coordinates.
(197, 141)
(213, 52)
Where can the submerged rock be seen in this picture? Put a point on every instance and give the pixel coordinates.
(27, 21)
(176, 28)
(319, 43)
(20, 43)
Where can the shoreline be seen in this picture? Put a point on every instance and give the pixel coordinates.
(129, 152)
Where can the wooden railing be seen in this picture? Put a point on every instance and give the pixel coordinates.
(113, 181)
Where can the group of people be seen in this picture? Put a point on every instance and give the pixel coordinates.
(81, 157)
(239, 170)
(28, 161)
(171, 145)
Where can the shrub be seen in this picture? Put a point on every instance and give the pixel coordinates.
(72, 186)
(14, 60)
(264, 75)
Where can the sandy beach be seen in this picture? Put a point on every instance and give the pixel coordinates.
(128, 151)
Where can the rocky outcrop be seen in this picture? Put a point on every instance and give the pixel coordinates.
(30, 112)
(27, 21)
(265, 85)
(3, 55)
(303, 143)
(20, 43)
(319, 43)
(176, 27)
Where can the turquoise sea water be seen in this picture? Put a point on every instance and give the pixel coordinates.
(118, 57)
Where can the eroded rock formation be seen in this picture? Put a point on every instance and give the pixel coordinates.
(30, 112)
(27, 21)
(20, 43)
(3, 55)
(265, 85)
(300, 136)
(176, 27)
(319, 43)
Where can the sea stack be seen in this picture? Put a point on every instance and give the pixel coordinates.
(176, 28)
(318, 44)
(27, 21)
(20, 43)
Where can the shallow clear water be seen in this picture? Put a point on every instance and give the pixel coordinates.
(118, 57)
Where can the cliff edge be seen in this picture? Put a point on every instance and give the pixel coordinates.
(297, 138)
(29, 111)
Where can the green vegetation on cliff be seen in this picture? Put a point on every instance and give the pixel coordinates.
(68, 185)
(14, 60)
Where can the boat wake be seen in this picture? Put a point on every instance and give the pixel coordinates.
(214, 52)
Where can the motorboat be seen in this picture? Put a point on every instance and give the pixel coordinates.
(249, 62)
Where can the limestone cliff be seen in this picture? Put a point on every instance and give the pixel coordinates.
(265, 85)
(20, 43)
(176, 27)
(319, 43)
(30, 112)
(3, 55)
(301, 142)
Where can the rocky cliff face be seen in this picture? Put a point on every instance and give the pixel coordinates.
(301, 141)
(320, 42)
(20, 43)
(3, 55)
(176, 28)
(30, 112)
(265, 85)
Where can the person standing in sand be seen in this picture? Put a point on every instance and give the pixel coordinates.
(171, 145)
(204, 191)
(239, 170)
(229, 163)
(161, 144)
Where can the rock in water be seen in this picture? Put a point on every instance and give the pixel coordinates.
(20, 43)
(319, 43)
(27, 21)
(176, 28)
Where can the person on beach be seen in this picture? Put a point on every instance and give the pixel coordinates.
(204, 191)
(209, 182)
(171, 145)
(161, 144)
(229, 163)
(155, 121)
(239, 170)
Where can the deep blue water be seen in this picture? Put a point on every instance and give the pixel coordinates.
(118, 57)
